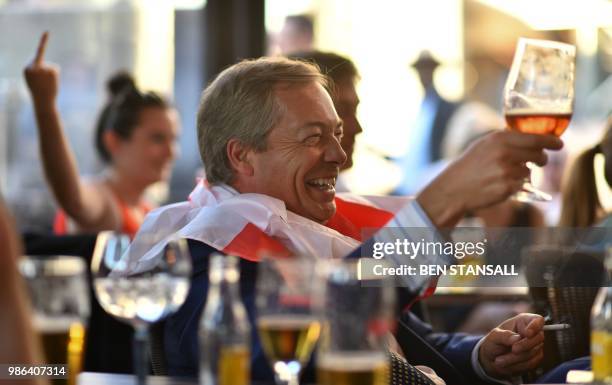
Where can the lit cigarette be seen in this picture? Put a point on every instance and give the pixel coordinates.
(556, 327)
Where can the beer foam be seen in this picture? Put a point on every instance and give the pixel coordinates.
(46, 324)
(352, 361)
(548, 110)
(287, 320)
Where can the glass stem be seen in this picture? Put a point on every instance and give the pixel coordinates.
(141, 352)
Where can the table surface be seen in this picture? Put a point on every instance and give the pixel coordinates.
(88, 378)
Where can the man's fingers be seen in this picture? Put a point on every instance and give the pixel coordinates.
(533, 327)
(533, 141)
(525, 365)
(527, 344)
(40, 51)
(504, 337)
(512, 359)
(522, 155)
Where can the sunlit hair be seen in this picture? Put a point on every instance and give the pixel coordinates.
(337, 68)
(580, 205)
(241, 103)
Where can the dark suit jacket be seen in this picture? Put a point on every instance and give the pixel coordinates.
(444, 111)
(448, 354)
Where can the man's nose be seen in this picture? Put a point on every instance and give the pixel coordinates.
(334, 152)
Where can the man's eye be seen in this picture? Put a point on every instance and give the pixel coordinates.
(312, 139)
(339, 134)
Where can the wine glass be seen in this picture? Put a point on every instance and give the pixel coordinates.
(289, 310)
(358, 319)
(140, 283)
(57, 286)
(539, 95)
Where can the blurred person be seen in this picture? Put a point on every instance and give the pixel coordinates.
(428, 131)
(19, 343)
(135, 135)
(580, 204)
(297, 35)
(551, 183)
(272, 160)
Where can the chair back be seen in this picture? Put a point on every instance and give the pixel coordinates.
(563, 283)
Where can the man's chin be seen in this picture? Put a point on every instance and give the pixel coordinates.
(326, 212)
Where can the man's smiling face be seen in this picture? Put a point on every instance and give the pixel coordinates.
(303, 155)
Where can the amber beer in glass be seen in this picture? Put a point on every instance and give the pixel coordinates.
(286, 337)
(539, 94)
(358, 314)
(541, 123)
(289, 313)
(62, 343)
(60, 302)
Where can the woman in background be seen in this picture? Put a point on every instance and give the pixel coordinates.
(136, 137)
(580, 206)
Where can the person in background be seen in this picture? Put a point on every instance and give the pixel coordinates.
(551, 182)
(136, 135)
(18, 343)
(297, 35)
(580, 205)
(428, 131)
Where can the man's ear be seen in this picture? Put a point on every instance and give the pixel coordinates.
(238, 156)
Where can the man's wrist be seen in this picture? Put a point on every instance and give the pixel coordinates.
(443, 208)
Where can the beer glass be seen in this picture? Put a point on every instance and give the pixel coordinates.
(539, 95)
(289, 310)
(140, 283)
(59, 294)
(358, 319)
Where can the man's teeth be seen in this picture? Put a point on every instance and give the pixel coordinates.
(324, 182)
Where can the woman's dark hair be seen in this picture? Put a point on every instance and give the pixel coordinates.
(122, 111)
(580, 204)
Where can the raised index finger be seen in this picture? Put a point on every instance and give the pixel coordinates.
(42, 46)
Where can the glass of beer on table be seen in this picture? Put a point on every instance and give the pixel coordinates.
(539, 94)
(59, 294)
(289, 311)
(358, 321)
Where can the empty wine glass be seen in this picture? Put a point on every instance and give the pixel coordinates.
(140, 283)
(539, 94)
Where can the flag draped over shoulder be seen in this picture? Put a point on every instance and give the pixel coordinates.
(251, 225)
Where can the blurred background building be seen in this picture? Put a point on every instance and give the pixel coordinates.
(176, 47)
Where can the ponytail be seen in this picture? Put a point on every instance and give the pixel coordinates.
(115, 86)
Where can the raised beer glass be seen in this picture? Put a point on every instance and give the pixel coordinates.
(539, 95)
(358, 318)
(289, 310)
(59, 294)
(140, 283)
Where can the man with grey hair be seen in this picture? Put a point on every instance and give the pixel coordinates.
(270, 140)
